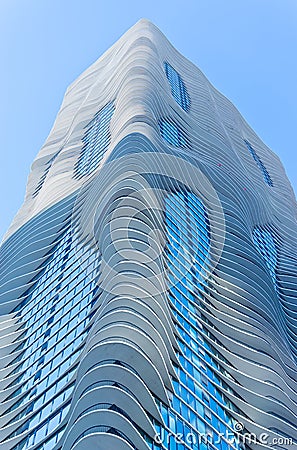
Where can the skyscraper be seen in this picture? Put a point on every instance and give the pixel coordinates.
(148, 283)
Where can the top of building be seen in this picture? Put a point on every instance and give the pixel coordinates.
(131, 76)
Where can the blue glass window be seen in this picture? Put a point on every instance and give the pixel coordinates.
(259, 163)
(55, 312)
(45, 428)
(95, 141)
(264, 242)
(44, 175)
(178, 88)
(198, 402)
(171, 133)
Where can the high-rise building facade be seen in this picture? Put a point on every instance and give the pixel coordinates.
(148, 282)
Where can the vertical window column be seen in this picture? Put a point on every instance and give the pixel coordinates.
(178, 88)
(95, 141)
(266, 176)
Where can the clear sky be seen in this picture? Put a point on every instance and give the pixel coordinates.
(247, 49)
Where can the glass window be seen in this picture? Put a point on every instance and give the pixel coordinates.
(44, 175)
(54, 422)
(196, 396)
(171, 133)
(40, 433)
(95, 141)
(47, 354)
(264, 242)
(178, 88)
(260, 164)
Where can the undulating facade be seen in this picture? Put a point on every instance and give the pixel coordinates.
(148, 283)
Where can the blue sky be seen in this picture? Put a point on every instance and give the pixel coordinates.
(247, 49)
